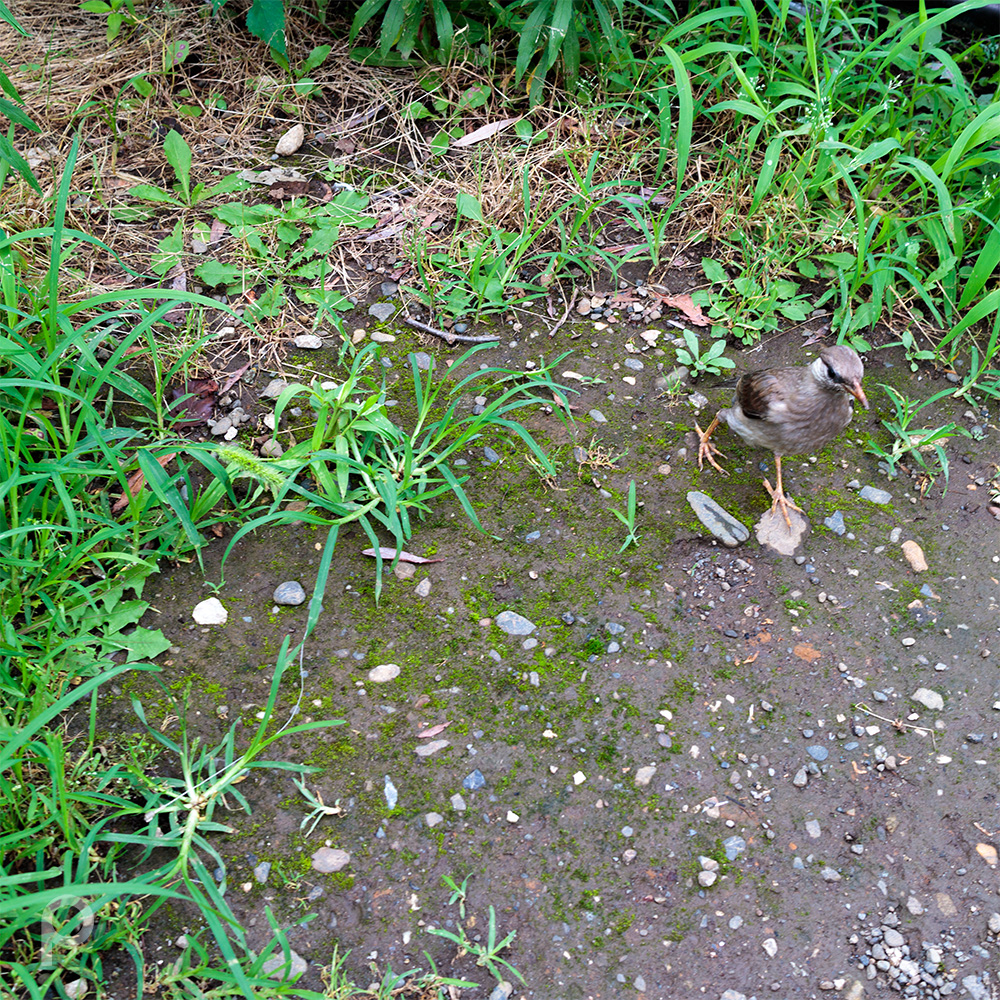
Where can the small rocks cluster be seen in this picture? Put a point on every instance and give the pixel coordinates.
(927, 970)
(228, 426)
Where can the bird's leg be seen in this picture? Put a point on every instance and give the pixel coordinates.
(705, 447)
(778, 498)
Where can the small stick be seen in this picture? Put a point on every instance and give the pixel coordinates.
(444, 335)
(565, 316)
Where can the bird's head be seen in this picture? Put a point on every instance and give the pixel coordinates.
(839, 368)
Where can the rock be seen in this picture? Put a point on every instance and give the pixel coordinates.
(291, 140)
(210, 612)
(770, 945)
(423, 360)
(988, 853)
(271, 449)
(830, 874)
(706, 879)
(801, 778)
(514, 624)
(719, 522)
(289, 593)
(874, 495)
(273, 388)
(473, 780)
(502, 991)
(391, 795)
(994, 923)
(383, 673)
(295, 964)
(773, 531)
(432, 819)
(892, 937)
(818, 752)
(640, 984)
(423, 588)
(221, 426)
(261, 872)
(733, 995)
(381, 337)
(308, 341)
(597, 417)
(329, 859)
(382, 311)
(914, 556)
(645, 775)
(426, 749)
(814, 829)
(835, 522)
(928, 698)
(975, 988)
(457, 803)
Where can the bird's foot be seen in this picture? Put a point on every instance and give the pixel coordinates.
(779, 500)
(708, 450)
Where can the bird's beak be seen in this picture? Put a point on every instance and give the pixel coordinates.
(859, 394)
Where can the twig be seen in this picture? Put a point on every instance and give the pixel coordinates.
(444, 335)
(898, 723)
(565, 316)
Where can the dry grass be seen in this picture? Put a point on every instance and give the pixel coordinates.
(357, 131)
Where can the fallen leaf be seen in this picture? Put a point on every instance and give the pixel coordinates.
(684, 303)
(433, 730)
(806, 652)
(136, 482)
(193, 401)
(484, 132)
(404, 556)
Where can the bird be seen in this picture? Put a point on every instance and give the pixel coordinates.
(791, 411)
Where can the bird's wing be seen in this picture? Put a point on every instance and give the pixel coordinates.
(758, 395)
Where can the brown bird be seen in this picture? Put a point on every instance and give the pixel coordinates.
(792, 411)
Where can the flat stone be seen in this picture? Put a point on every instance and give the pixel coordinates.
(818, 752)
(830, 874)
(329, 859)
(928, 698)
(383, 673)
(719, 522)
(645, 775)
(381, 337)
(271, 449)
(308, 341)
(273, 388)
(289, 593)
(514, 624)
(597, 417)
(914, 556)
(423, 588)
(874, 495)
(770, 945)
(423, 360)
(210, 612)
(382, 311)
(892, 937)
(835, 522)
(773, 531)
(432, 819)
(295, 964)
(426, 749)
(473, 780)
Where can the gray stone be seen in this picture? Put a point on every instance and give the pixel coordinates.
(801, 778)
(289, 593)
(818, 752)
(473, 780)
(382, 311)
(874, 495)
(423, 360)
(383, 673)
(295, 963)
(308, 341)
(502, 991)
(975, 987)
(210, 612)
(719, 522)
(830, 875)
(892, 937)
(262, 870)
(273, 388)
(774, 532)
(329, 859)
(490, 455)
(597, 417)
(514, 624)
(928, 698)
(388, 288)
(426, 749)
(835, 522)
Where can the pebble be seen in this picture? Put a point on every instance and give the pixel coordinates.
(210, 612)
(830, 874)
(273, 388)
(813, 828)
(457, 803)
(490, 455)
(597, 417)
(645, 775)
(383, 673)
(718, 521)
(770, 946)
(432, 819)
(289, 593)
(388, 288)
(423, 588)
(514, 624)
(502, 991)
(391, 795)
(874, 495)
(329, 859)
(818, 752)
(308, 341)
(928, 698)
(382, 311)
(640, 984)
(914, 556)
(291, 140)
(835, 522)
(262, 870)
(271, 449)
(473, 781)
(278, 967)
(423, 360)
(801, 778)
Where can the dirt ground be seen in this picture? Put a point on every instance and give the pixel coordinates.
(678, 708)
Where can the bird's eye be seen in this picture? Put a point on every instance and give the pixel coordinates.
(834, 377)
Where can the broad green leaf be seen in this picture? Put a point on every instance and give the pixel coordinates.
(214, 273)
(467, 205)
(266, 20)
(178, 154)
(714, 271)
(148, 192)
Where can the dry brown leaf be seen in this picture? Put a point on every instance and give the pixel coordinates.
(433, 730)
(136, 482)
(685, 304)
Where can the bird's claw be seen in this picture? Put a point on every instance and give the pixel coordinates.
(708, 450)
(778, 499)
